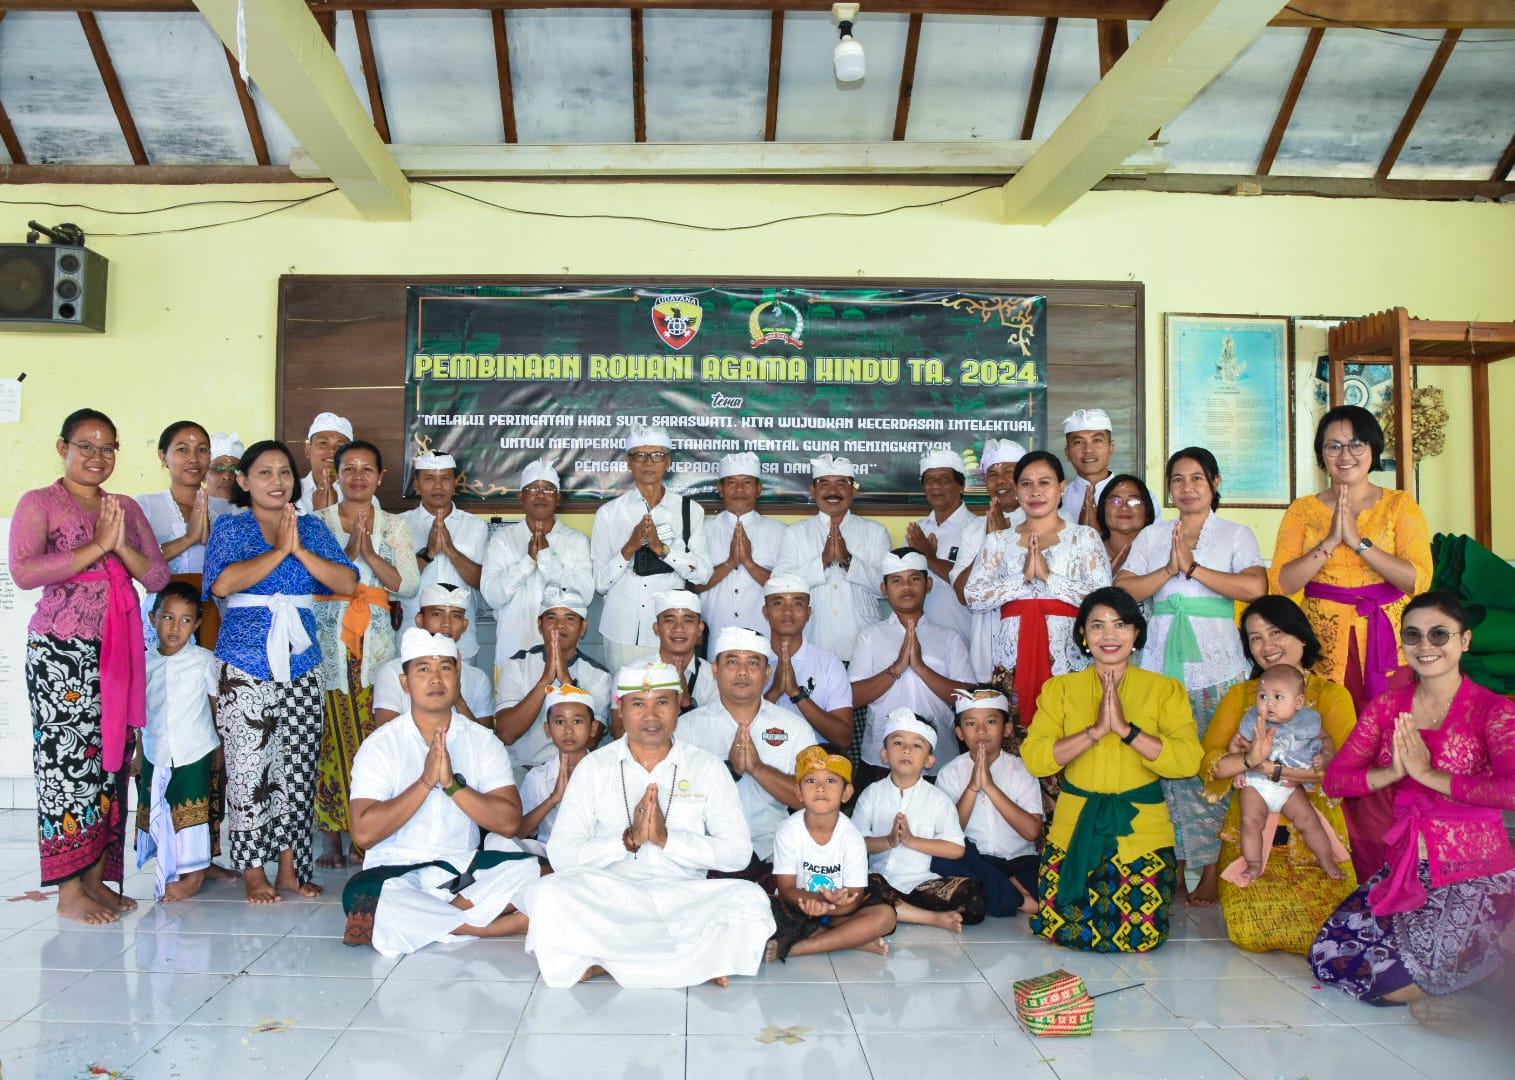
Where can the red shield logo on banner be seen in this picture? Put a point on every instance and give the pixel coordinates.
(676, 319)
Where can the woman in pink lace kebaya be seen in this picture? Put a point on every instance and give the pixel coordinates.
(85, 662)
(1428, 922)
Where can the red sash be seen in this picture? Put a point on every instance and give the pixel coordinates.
(1033, 651)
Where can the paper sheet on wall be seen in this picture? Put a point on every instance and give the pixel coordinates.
(10, 401)
(16, 607)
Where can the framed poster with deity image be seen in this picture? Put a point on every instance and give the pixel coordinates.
(1226, 388)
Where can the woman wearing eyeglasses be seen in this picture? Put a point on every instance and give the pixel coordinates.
(1123, 510)
(1430, 919)
(181, 516)
(1357, 552)
(85, 662)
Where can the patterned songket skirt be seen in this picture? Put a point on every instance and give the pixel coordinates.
(1124, 909)
(349, 720)
(178, 818)
(81, 808)
(1449, 943)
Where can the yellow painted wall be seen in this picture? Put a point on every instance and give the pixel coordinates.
(192, 315)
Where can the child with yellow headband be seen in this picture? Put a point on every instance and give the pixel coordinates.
(574, 730)
(820, 862)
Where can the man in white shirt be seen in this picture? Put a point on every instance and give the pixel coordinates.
(642, 822)
(938, 535)
(679, 627)
(419, 818)
(839, 556)
(449, 543)
(758, 740)
(905, 662)
(529, 676)
(319, 489)
(1089, 444)
(527, 556)
(806, 679)
(997, 463)
(447, 610)
(745, 542)
(644, 542)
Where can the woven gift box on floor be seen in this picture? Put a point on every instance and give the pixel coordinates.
(1054, 1005)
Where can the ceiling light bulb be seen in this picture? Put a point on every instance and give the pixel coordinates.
(847, 57)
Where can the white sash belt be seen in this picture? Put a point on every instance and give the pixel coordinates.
(286, 633)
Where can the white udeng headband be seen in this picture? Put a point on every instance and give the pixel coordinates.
(1087, 420)
(943, 459)
(538, 471)
(963, 700)
(1000, 452)
(827, 465)
(744, 464)
(416, 643)
(740, 639)
(433, 460)
(640, 677)
(648, 436)
(905, 720)
(895, 564)
(330, 421)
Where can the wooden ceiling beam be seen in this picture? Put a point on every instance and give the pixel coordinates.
(1039, 78)
(638, 75)
(326, 19)
(1418, 102)
(502, 73)
(371, 73)
(1506, 162)
(1177, 56)
(1114, 39)
(1291, 99)
(1400, 14)
(249, 111)
(907, 76)
(775, 66)
(113, 89)
(299, 75)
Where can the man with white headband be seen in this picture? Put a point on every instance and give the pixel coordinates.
(319, 489)
(839, 556)
(806, 679)
(997, 463)
(449, 543)
(644, 542)
(424, 788)
(938, 535)
(905, 662)
(225, 459)
(527, 557)
(1089, 439)
(758, 740)
(638, 828)
(528, 677)
(679, 626)
(745, 542)
(447, 610)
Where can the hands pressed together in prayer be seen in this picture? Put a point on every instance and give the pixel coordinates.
(538, 542)
(1036, 560)
(439, 539)
(648, 825)
(1112, 716)
(110, 529)
(836, 552)
(437, 772)
(1180, 555)
(743, 756)
(917, 540)
(289, 532)
(900, 835)
(910, 649)
(981, 779)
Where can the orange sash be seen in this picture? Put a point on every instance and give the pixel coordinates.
(359, 614)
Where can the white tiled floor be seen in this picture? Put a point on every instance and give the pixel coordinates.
(215, 988)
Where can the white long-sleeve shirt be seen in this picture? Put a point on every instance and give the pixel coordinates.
(513, 582)
(706, 827)
(627, 615)
(737, 599)
(942, 604)
(470, 535)
(842, 602)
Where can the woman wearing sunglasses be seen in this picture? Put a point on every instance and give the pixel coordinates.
(86, 672)
(1430, 919)
(1357, 551)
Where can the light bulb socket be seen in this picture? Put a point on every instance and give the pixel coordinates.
(845, 26)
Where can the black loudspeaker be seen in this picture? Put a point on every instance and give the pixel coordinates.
(51, 287)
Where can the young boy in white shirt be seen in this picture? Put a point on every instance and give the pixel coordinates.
(907, 822)
(177, 819)
(999, 805)
(820, 863)
(574, 731)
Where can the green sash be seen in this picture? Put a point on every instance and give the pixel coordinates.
(1105, 818)
(1183, 645)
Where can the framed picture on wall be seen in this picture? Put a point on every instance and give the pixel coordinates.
(1227, 389)
(1368, 385)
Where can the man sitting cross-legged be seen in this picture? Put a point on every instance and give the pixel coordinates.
(423, 786)
(642, 820)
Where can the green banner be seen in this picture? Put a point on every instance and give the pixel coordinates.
(499, 376)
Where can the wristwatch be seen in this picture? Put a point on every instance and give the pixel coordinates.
(1363, 545)
(1130, 736)
(457, 785)
(800, 695)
